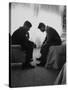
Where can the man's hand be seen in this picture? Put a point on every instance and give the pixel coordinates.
(27, 35)
(34, 45)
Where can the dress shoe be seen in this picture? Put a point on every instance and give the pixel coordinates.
(27, 66)
(41, 65)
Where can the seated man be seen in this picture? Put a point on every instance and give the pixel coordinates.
(52, 38)
(21, 36)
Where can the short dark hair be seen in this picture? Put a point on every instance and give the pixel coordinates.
(41, 25)
(28, 24)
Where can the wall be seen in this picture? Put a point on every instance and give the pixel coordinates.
(49, 14)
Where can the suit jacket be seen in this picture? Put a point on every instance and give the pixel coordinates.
(20, 36)
(52, 37)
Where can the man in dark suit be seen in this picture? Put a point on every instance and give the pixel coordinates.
(52, 38)
(21, 36)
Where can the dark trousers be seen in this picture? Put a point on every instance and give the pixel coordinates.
(28, 48)
(45, 50)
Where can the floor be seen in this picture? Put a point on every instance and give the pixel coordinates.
(37, 76)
